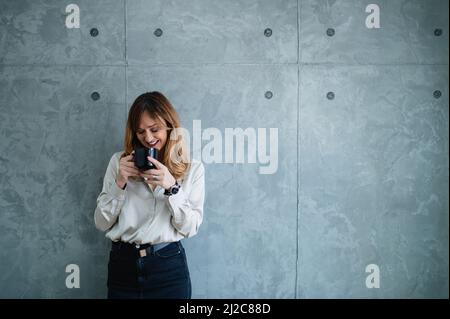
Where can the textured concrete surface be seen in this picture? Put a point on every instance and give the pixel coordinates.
(373, 181)
(55, 142)
(34, 32)
(406, 34)
(212, 31)
(362, 178)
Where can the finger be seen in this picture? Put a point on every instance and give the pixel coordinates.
(126, 159)
(129, 164)
(152, 171)
(156, 162)
(132, 174)
(130, 156)
(151, 181)
(132, 171)
(147, 175)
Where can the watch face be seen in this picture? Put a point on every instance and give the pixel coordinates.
(174, 190)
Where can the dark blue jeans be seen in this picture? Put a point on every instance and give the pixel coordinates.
(163, 274)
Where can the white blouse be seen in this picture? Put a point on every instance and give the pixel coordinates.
(141, 215)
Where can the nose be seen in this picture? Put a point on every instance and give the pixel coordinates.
(148, 137)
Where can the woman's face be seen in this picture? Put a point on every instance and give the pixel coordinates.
(151, 133)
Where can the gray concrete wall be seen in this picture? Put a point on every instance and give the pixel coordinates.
(363, 173)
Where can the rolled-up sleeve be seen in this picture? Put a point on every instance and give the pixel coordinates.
(111, 198)
(187, 209)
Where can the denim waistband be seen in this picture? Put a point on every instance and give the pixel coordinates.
(140, 249)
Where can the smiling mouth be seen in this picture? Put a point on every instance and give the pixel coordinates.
(153, 145)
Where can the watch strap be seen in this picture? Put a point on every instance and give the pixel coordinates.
(168, 192)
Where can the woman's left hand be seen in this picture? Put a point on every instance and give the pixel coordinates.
(159, 176)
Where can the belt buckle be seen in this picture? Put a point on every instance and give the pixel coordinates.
(142, 252)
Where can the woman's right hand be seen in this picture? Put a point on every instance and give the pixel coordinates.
(126, 169)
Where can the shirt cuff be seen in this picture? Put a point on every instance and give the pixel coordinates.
(116, 191)
(176, 200)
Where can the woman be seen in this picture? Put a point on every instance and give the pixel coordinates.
(147, 213)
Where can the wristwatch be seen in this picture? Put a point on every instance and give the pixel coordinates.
(173, 189)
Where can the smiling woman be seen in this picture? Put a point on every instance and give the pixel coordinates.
(150, 132)
(147, 213)
(151, 118)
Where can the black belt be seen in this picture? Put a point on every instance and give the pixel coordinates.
(141, 250)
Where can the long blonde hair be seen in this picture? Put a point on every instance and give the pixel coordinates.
(159, 108)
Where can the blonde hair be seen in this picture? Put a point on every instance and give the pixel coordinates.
(159, 108)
